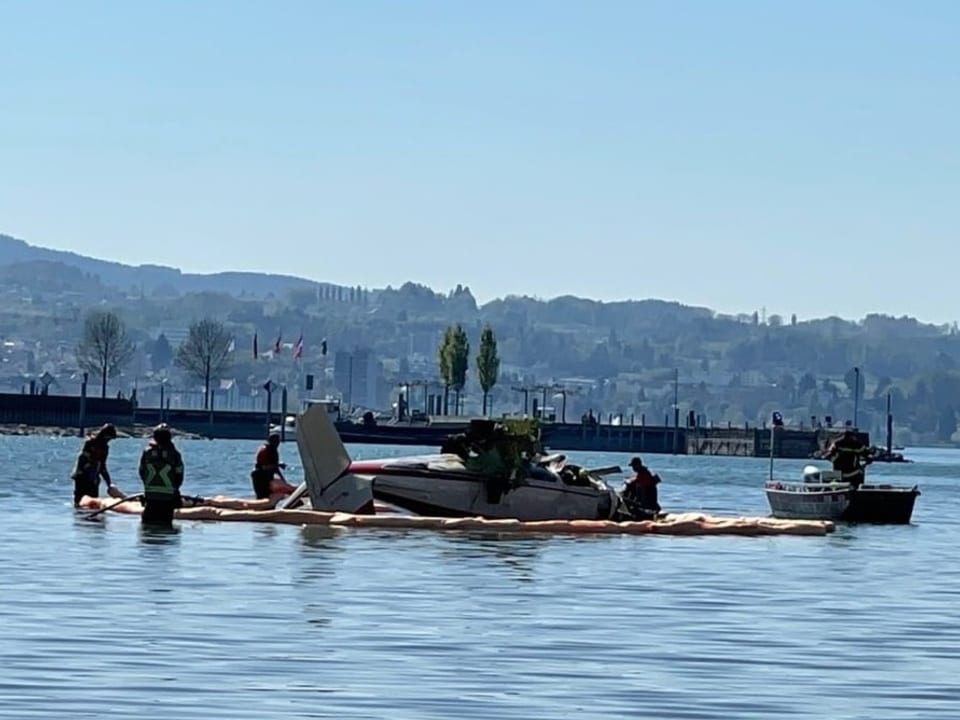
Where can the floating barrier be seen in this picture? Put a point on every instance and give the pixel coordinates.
(225, 509)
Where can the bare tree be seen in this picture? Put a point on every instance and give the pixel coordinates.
(205, 353)
(105, 348)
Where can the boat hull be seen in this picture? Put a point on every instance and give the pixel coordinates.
(879, 504)
(460, 495)
(887, 504)
(798, 503)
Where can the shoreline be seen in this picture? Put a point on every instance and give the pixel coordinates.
(59, 431)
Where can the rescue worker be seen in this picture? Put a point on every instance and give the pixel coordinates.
(161, 470)
(91, 465)
(850, 457)
(642, 487)
(266, 468)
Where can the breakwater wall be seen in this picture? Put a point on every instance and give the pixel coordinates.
(85, 413)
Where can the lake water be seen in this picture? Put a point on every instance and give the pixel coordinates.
(237, 620)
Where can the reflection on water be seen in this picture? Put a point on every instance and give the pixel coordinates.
(152, 534)
(319, 536)
(515, 552)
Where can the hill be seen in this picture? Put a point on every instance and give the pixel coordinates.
(152, 279)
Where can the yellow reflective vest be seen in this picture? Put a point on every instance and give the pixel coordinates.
(161, 471)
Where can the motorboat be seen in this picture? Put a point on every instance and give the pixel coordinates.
(820, 496)
(824, 495)
(288, 428)
(491, 470)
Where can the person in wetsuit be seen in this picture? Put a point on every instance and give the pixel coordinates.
(850, 457)
(91, 464)
(266, 467)
(161, 471)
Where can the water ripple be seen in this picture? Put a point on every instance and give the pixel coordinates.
(106, 620)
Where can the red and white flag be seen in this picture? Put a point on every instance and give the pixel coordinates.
(298, 348)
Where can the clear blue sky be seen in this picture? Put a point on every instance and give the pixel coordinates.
(801, 157)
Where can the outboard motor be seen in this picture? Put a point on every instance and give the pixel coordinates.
(811, 474)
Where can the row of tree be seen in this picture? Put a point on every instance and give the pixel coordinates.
(454, 360)
(106, 348)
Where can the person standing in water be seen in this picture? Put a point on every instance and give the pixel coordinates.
(91, 465)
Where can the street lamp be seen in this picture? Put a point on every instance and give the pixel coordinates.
(526, 394)
(856, 396)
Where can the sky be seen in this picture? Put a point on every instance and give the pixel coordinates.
(799, 157)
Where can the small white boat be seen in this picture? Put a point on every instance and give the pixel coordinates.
(289, 427)
(822, 495)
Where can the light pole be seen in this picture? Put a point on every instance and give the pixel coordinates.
(676, 408)
(856, 397)
(526, 394)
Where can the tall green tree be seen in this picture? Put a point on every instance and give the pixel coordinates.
(205, 353)
(488, 364)
(454, 362)
(105, 348)
(460, 361)
(444, 357)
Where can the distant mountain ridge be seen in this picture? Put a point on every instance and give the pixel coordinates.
(169, 280)
(649, 316)
(153, 277)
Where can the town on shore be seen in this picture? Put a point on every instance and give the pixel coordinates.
(234, 341)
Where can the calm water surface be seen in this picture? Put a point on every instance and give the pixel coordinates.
(237, 620)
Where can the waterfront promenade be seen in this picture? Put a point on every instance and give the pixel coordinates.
(66, 412)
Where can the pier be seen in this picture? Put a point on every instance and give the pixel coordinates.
(83, 413)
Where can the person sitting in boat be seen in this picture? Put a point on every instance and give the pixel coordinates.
(267, 477)
(91, 465)
(642, 487)
(161, 471)
(849, 457)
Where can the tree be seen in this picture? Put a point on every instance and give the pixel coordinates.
(443, 359)
(488, 363)
(807, 384)
(205, 353)
(161, 354)
(454, 361)
(946, 424)
(788, 383)
(105, 348)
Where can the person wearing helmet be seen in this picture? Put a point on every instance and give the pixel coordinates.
(161, 471)
(91, 465)
(267, 467)
(850, 456)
